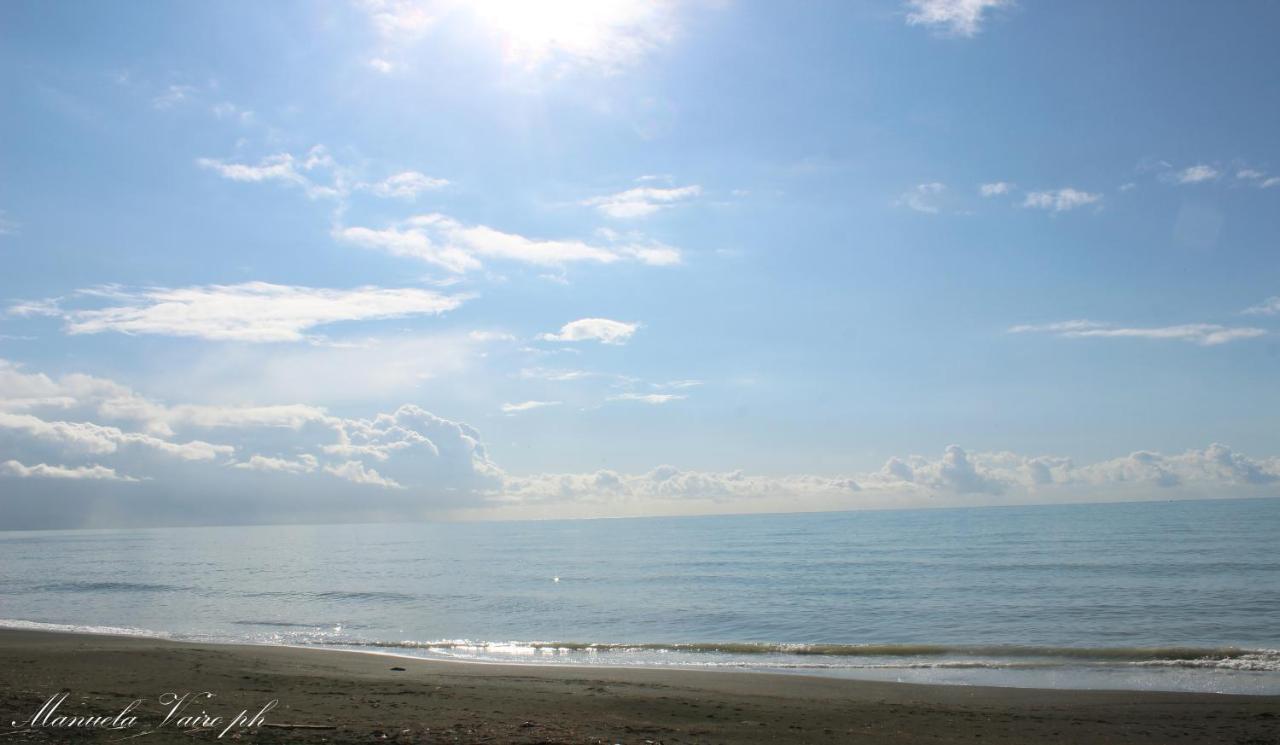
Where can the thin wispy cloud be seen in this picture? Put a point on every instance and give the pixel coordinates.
(641, 201)
(527, 406)
(922, 198)
(1203, 334)
(953, 17)
(46, 471)
(283, 168)
(1197, 174)
(1257, 178)
(653, 399)
(407, 185)
(1268, 307)
(1060, 200)
(457, 247)
(995, 189)
(248, 312)
(603, 330)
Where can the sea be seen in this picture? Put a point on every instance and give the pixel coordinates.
(1179, 596)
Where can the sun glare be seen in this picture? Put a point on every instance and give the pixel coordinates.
(606, 32)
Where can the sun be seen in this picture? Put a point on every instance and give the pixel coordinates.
(604, 32)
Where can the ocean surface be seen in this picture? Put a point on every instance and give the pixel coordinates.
(1169, 596)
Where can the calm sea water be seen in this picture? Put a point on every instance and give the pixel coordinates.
(1176, 596)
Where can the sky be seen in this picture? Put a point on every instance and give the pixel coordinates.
(422, 259)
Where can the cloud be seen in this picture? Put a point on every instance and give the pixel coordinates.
(286, 169)
(44, 471)
(1061, 200)
(407, 185)
(1258, 178)
(921, 199)
(97, 439)
(449, 244)
(641, 201)
(490, 336)
(306, 463)
(1268, 307)
(1204, 334)
(410, 463)
(649, 398)
(357, 473)
(956, 17)
(249, 312)
(995, 189)
(527, 406)
(7, 226)
(173, 96)
(1196, 174)
(602, 330)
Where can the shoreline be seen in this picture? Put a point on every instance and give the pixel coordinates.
(358, 696)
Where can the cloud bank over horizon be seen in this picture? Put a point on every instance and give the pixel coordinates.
(85, 451)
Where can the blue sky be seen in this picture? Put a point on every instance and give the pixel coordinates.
(623, 258)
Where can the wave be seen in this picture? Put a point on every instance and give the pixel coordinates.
(869, 655)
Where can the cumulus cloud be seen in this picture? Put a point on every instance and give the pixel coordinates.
(1061, 200)
(358, 473)
(302, 463)
(641, 201)
(45, 471)
(603, 330)
(1204, 334)
(249, 312)
(995, 189)
(452, 245)
(527, 406)
(956, 17)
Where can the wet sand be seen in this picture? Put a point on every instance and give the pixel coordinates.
(329, 696)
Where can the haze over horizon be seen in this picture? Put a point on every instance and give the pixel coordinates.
(380, 260)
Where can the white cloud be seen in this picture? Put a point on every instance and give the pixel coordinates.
(527, 406)
(1257, 178)
(603, 330)
(407, 185)
(1268, 307)
(98, 439)
(490, 336)
(422, 464)
(1204, 334)
(447, 243)
(921, 197)
(958, 17)
(1060, 200)
(995, 189)
(381, 65)
(286, 169)
(1197, 174)
(641, 201)
(649, 398)
(251, 312)
(306, 463)
(556, 376)
(357, 473)
(45, 471)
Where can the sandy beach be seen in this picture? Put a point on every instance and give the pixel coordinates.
(330, 696)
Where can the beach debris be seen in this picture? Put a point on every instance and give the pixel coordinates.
(397, 669)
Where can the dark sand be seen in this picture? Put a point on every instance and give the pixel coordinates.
(360, 698)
